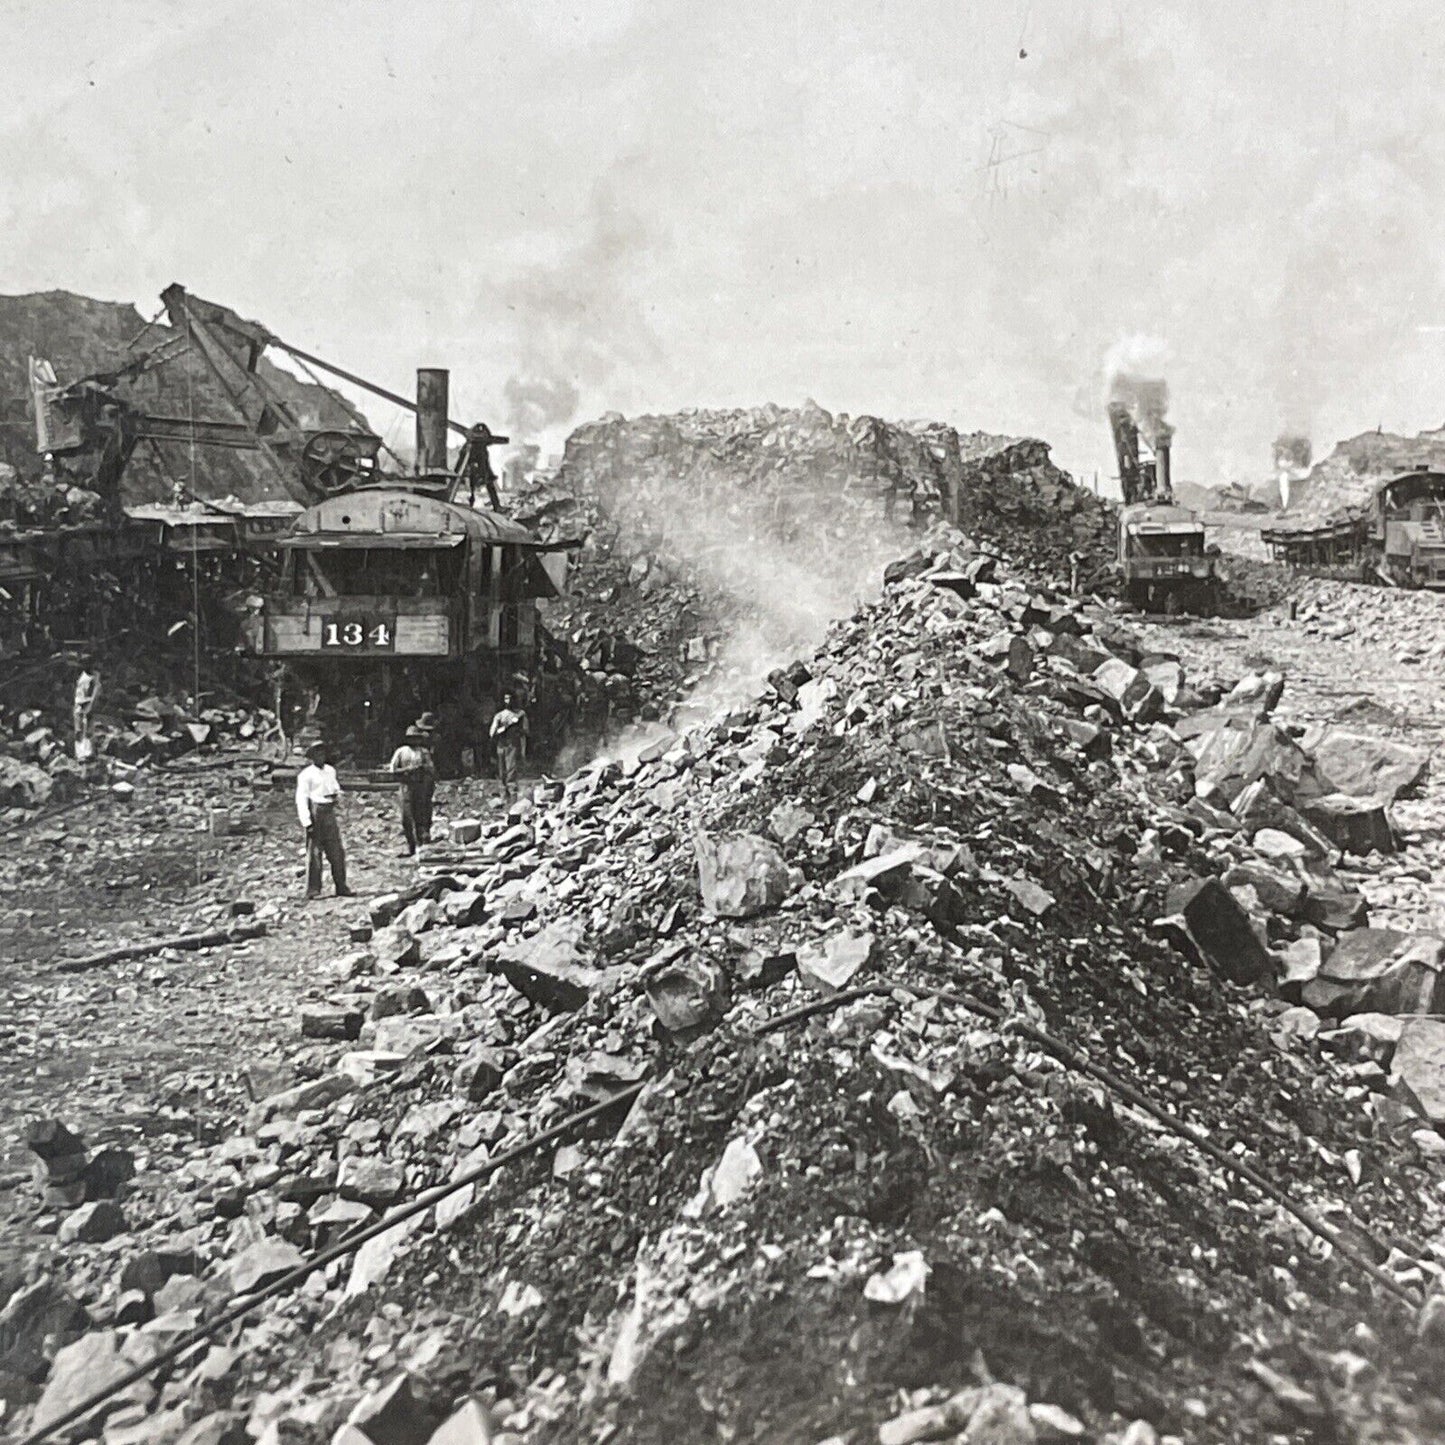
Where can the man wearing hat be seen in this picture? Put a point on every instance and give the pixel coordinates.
(413, 765)
(318, 792)
(509, 736)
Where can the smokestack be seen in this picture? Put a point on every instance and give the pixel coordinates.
(1163, 481)
(432, 384)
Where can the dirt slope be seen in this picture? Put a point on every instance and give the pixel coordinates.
(806, 1233)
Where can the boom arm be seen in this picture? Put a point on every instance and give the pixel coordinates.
(1126, 449)
(218, 328)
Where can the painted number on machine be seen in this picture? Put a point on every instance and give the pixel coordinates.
(358, 634)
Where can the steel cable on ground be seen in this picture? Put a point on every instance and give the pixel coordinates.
(1065, 1054)
(348, 1245)
(1183, 1129)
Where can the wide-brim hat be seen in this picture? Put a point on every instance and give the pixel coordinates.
(424, 724)
(313, 748)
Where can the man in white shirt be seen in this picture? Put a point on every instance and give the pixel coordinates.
(87, 689)
(318, 792)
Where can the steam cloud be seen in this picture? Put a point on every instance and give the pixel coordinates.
(580, 331)
(780, 571)
(1133, 370)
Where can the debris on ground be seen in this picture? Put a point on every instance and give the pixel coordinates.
(832, 1199)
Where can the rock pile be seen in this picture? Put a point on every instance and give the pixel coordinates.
(1407, 626)
(1349, 475)
(38, 766)
(845, 1204)
(717, 540)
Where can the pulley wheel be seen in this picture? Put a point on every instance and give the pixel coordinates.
(332, 461)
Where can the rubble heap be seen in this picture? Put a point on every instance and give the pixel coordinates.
(845, 1203)
(717, 541)
(135, 726)
(1349, 476)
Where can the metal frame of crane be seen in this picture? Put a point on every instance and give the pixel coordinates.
(418, 639)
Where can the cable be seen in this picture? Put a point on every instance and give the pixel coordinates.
(195, 584)
(1077, 1062)
(1062, 1052)
(342, 1247)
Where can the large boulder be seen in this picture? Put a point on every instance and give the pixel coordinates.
(1278, 891)
(1335, 909)
(1365, 766)
(80, 1370)
(395, 948)
(315, 1094)
(886, 871)
(550, 967)
(1419, 1067)
(1238, 751)
(23, 785)
(740, 874)
(260, 1264)
(34, 1316)
(829, 964)
(687, 994)
(1137, 698)
(1221, 930)
(1369, 1036)
(1354, 825)
(1378, 970)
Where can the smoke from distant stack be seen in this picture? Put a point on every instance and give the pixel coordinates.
(1292, 452)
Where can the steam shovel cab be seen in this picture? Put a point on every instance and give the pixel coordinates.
(1162, 557)
(392, 596)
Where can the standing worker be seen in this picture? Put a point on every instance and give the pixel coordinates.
(87, 689)
(413, 765)
(318, 791)
(509, 733)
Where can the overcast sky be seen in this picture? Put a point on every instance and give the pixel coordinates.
(916, 209)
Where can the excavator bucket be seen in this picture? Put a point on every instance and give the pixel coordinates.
(58, 428)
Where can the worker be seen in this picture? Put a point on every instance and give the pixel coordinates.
(318, 794)
(1076, 562)
(87, 689)
(413, 765)
(509, 735)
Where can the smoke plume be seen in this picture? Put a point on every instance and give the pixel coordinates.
(535, 403)
(580, 333)
(1132, 371)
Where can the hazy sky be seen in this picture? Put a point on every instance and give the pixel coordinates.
(941, 209)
